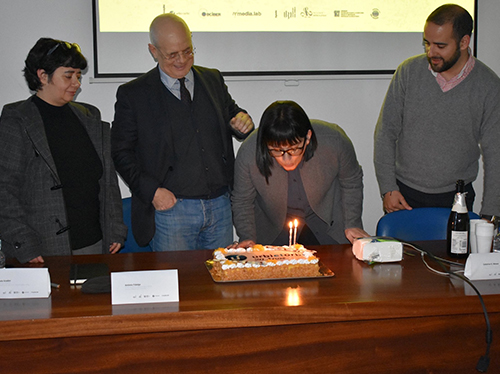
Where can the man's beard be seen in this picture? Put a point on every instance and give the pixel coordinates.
(447, 64)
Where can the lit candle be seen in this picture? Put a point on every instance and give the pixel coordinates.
(290, 224)
(295, 224)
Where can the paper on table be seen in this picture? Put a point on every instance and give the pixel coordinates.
(22, 283)
(152, 286)
(482, 266)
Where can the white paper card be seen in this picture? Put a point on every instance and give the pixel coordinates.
(378, 249)
(482, 266)
(23, 283)
(137, 287)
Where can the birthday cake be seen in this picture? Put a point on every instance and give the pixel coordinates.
(264, 262)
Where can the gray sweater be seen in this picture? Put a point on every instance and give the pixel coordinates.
(428, 139)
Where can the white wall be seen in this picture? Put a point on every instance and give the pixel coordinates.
(353, 103)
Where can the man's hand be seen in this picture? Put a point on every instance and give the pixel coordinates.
(355, 233)
(243, 244)
(163, 199)
(242, 122)
(394, 201)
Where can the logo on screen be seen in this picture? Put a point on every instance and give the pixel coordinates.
(205, 13)
(290, 14)
(375, 13)
(306, 12)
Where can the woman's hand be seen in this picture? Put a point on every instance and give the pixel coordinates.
(114, 247)
(355, 233)
(37, 260)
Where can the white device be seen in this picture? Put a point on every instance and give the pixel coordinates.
(378, 249)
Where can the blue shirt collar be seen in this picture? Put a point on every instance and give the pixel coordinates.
(169, 82)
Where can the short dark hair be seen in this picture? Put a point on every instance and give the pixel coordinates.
(456, 15)
(282, 123)
(49, 54)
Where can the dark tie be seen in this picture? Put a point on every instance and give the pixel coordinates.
(185, 96)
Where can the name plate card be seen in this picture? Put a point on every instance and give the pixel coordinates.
(23, 283)
(137, 287)
(483, 266)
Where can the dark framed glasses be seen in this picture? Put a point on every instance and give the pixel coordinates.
(291, 151)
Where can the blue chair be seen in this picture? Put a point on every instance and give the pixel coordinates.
(130, 244)
(417, 224)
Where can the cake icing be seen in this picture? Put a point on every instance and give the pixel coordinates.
(264, 262)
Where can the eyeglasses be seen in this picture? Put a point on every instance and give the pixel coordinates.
(187, 53)
(66, 45)
(291, 152)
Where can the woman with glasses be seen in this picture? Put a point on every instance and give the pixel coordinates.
(59, 193)
(293, 168)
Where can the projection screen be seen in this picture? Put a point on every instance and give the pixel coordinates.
(263, 37)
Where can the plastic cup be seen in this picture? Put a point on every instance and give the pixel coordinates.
(484, 237)
(472, 234)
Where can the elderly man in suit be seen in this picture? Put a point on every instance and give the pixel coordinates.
(172, 144)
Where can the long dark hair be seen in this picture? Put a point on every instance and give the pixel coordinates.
(49, 54)
(282, 123)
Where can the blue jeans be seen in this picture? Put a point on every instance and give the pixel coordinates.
(194, 224)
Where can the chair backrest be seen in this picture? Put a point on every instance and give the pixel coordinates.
(417, 224)
(130, 244)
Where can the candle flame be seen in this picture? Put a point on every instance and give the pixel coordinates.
(296, 223)
(290, 224)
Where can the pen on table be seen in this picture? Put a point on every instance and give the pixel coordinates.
(54, 285)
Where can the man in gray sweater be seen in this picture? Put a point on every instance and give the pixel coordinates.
(441, 112)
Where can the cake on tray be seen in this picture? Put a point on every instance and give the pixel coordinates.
(264, 262)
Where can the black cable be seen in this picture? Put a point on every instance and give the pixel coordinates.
(484, 361)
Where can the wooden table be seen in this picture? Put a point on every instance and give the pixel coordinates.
(385, 318)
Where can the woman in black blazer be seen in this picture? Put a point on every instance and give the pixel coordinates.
(59, 192)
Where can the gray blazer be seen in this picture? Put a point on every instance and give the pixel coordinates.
(332, 179)
(32, 211)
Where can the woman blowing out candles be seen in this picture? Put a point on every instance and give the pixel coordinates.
(59, 192)
(293, 168)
